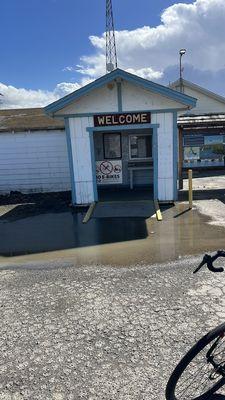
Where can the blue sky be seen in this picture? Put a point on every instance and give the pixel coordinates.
(42, 42)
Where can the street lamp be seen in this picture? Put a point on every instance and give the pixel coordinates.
(182, 52)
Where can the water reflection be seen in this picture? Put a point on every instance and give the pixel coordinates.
(57, 231)
(118, 241)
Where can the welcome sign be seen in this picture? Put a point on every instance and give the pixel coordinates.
(122, 119)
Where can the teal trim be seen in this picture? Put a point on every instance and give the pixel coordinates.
(175, 157)
(93, 166)
(70, 155)
(161, 111)
(119, 96)
(155, 161)
(120, 74)
(122, 127)
(154, 127)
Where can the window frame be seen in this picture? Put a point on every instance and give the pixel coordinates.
(104, 150)
(138, 158)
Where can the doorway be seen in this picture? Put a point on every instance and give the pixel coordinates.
(124, 164)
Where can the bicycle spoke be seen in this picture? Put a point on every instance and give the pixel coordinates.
(196, 380)
(194, 376)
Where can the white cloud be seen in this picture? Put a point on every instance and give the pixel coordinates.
(146, 73)
(150, 52)
(20, 98)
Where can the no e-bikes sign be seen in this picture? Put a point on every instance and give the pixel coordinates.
(109, 172)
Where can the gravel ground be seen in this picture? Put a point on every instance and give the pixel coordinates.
(101, 332)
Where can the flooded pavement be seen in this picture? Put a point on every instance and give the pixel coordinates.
(27, 235)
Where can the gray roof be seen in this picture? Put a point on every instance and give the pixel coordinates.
(204, 120)
(28, 119)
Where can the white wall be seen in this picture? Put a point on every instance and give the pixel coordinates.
(34, 162)
(82, 162)
(205, 104)
(165, 156)
(94, 102)
(136, 98)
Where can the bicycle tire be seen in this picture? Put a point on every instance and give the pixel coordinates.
(187, 359)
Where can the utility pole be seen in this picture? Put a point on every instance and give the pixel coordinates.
(182, 52)
(111, 54)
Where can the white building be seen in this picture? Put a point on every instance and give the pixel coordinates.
(122, 131)
(202, 130)
(33, 152)
(208, 102)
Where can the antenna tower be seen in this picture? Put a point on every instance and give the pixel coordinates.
(111, 55)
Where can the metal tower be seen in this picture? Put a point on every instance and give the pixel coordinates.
(111, 56)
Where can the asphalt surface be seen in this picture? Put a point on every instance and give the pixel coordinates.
(101, 332)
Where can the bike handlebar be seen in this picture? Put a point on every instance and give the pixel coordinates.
(209, 260)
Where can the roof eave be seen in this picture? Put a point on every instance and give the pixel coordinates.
(202, 90)
(118, 73)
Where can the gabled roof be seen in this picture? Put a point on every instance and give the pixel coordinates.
(121, 74)
(198, 88)
(27, 119)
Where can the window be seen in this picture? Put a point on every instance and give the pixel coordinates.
(140, 146)
(112, 145)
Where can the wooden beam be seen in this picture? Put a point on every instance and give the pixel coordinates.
(157, 211)
(89, 212)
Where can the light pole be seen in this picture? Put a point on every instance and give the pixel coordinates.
(182, 52)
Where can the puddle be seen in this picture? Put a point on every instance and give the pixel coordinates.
(115, 241)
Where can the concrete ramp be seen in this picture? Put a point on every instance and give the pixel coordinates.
(124, 209)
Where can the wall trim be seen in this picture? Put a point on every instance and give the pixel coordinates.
(92, 148)
(175, 156)
(154, 127)
(121, 127)
(83, 115)
(121, 74)
(119, 97)
(70, 155)
(155, 161)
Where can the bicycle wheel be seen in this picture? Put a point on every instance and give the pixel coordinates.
(201, 372)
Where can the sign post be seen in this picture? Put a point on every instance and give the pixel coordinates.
(190, 189)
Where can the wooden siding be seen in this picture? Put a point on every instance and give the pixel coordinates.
(94, 102)
(205, 104)
(82, 163)
(34, 162)
(139, 99)
(165, 156)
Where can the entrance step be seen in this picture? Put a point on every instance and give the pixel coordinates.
(124, 209)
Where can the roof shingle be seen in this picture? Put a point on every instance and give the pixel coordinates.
(28, 119)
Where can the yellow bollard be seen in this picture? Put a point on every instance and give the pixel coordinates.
(190, 189)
